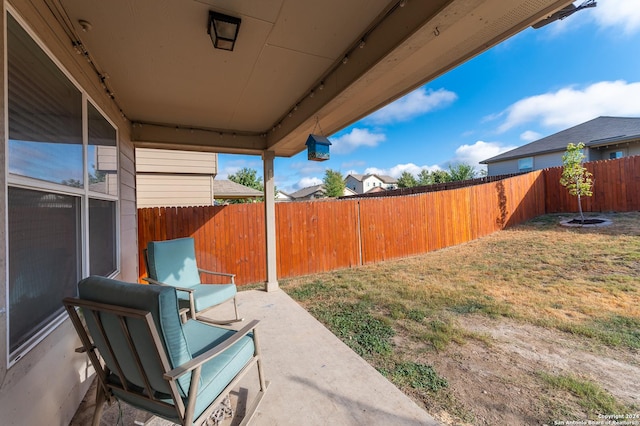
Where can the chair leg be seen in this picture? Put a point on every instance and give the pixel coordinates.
(199, 317)
(101, 398)
(235, 306)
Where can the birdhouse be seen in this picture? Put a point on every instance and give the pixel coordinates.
(317, 148)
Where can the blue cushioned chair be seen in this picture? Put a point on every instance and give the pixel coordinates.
(173, 262)
(146, 356)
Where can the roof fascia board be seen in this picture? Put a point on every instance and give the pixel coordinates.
(166, 137)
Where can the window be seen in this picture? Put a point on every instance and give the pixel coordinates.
(616, 154)
(44, 259)
(62, 190)
(525, 164)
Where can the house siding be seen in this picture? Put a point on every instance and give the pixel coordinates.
(48, 383)
(503, 167)
(170, 178)
(354, 184)
(161, 190)
(602, 153)
(544, 161)
(371, 182)
(170, 161)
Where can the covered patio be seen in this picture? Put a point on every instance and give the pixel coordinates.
(98, 79)
(315, 378)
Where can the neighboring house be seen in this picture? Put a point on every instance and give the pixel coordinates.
(283, 196)
(175, 178)
(315, 192)
(309, 193)
(228, 190)
(183, 178)
(365, 183)
(604, 138)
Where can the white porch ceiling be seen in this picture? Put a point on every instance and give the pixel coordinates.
(180, 92)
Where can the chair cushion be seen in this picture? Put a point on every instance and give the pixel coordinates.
(217, 373)
(162, 303)
(173, 262)
(208, 295)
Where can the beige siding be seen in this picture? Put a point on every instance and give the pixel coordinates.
(128, 209)
(156, 190)
(107, 158)
(170, 161)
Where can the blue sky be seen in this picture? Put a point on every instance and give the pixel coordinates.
(534, 84)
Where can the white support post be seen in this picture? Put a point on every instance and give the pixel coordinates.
(270, 221)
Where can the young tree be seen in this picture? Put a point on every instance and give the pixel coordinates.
(575, 176)
(333, 183)
(407, 180)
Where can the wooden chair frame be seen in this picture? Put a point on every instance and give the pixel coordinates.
(184, 413)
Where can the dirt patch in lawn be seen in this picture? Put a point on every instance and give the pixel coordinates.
(498, 381)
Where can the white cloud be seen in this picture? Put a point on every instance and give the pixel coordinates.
(397, 170)
(530, 136)
(230, 164)
(416, 103)
(473, 154)
(308, 181)
(355, 139)
(618, 14)
(570, 106)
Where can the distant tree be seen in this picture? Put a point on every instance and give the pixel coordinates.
(440, 176)
(72, 182)
(425, 178)
(333, 183)
(247, 177)
(407, 180)
(575, 176)
(461, 171)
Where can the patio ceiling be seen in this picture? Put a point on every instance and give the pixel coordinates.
(180, 92)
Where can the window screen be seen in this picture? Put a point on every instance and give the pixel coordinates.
(44, 259)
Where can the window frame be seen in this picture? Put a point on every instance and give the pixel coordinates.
(527, 169)
(84, 194)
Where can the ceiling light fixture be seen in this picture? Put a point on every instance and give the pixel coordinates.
(223, 30)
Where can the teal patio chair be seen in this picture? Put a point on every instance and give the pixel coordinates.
(173, 262)
(146, 356)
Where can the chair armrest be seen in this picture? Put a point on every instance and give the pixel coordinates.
(224, 274)
(152, 281)
(211, 353)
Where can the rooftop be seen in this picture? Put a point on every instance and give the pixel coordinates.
(226, 189)
(596, 132)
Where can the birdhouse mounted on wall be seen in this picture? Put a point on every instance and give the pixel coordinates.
(317, 148)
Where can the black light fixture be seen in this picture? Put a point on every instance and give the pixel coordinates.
(223, 30)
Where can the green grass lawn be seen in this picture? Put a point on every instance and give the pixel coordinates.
(583, 281)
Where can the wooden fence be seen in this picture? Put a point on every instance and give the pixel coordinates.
(319, 236)
(616, 187)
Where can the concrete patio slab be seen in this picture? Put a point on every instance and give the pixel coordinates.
(315, 379)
